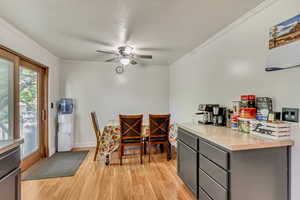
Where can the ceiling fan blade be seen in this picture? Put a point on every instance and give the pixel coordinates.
(112, 59)
(154, 49)
(133, 62)
(107, 52)
(144, 56)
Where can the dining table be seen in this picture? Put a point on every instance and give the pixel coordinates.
(110, 137)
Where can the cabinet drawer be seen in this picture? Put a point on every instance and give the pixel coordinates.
(9, 161)
(203, 195)
(214, 154)
(212, 188)
(214, 171)
(188, 138)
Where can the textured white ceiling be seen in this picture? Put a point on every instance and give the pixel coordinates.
(167, 29)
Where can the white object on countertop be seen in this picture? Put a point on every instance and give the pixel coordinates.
(271, 130)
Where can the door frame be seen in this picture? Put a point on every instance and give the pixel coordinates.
(16, 58)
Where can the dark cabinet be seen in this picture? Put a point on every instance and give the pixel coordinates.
(213, 189)
(10, 175)
(10, 186)
(214, 173)
(215, 154)
(187, 166)
(9, 161)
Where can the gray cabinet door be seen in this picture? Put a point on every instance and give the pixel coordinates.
(9, 161)
(187, 166)
(10, 186)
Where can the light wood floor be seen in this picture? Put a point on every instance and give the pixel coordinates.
(150, 181)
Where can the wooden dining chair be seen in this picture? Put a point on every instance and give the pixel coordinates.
(97, 133)
(159, 132)
(131, 133)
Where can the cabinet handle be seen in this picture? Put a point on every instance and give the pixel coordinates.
(9, 154)
(10, 174)
(187, 146)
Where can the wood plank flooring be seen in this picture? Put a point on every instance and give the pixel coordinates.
(131, 181)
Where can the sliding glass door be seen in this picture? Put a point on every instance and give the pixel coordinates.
(6, 98)
(29, 111)
(8, 95)
(32, 111)
(23, 105)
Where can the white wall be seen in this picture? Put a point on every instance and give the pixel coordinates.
(17, 41)
(232, 63)
(96, 87)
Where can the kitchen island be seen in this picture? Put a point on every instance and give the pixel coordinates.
(10, 173)
(218, 163)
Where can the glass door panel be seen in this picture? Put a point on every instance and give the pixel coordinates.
(6, 99)
(29, 110)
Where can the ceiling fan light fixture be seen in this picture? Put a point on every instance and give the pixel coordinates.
(128, 50)
(125, 61)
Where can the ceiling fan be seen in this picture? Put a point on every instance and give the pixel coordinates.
(125, 55)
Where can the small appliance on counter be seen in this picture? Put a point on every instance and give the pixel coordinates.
(65, 136)
(205, 114)
(219, 116)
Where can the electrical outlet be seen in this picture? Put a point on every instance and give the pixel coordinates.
(290, 114)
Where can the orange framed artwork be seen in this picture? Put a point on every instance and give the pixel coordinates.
(284, 43)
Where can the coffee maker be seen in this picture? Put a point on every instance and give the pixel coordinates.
(205, 114)
(219, 116)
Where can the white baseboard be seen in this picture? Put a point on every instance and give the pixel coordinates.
(84, 144)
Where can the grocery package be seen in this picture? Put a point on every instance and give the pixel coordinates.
(234, 122)
(272, 130)
(244, 125)
(264, 106)
(247, 101)
(248, 113)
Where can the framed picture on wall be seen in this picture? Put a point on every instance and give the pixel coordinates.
(284, 44)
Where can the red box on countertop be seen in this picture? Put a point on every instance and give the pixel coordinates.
(248, 113)
(248, 101)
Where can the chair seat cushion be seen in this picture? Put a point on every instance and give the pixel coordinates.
(134, 140)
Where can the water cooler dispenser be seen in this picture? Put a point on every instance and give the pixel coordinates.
(65, 136)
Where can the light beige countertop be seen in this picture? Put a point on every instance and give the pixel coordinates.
(231, 139)
(6, 145)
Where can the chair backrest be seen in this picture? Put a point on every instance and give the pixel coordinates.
(159, 125)
(131, 126)
(95, 124)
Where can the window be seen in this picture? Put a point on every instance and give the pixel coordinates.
(6, 99)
